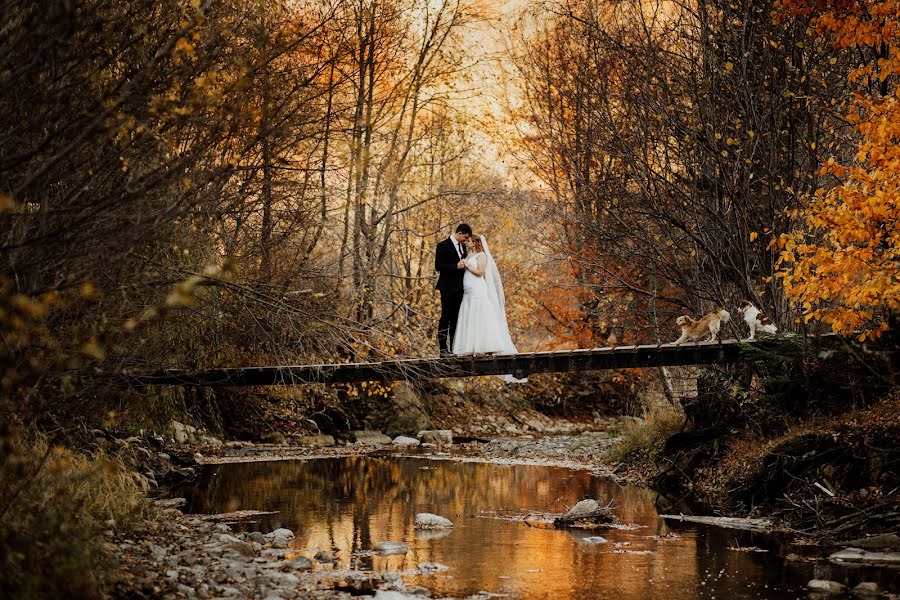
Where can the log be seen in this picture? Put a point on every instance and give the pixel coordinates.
(726, 522)
(585, 520)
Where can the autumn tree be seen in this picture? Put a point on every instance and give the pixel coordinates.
(673, 137)
(401, 58)
(843, 266)
(162, 202)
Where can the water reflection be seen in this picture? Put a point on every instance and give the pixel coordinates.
(347, 505)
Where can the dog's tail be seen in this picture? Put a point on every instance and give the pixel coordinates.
(723, 315)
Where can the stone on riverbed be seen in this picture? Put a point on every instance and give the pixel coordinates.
(858, 555)
(826, 586)
(366, 436)
(316, 441)
(323, 557)
(241, 548)
(301, 562)
(388, 548)
(157, 552)
(441, 437)
(867, 589)
(595, 539)
(583, 508)
(183, 434)
(256, 536)
(430, 521)
(280, 538)
(402, 440)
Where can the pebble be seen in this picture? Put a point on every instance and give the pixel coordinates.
(595, 539)
(824, 585)
(440, 437)
(584, 507)
(432, 521)
(256, 536)
(858, 555)
(388, 548)
(301, 562)
(157, 552)
(241, 548)
(280, 538)
(402, 440)
(867, 589)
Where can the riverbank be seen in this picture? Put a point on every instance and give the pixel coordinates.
(200, 556)
(691, 463)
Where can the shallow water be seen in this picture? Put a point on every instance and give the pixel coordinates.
(347, 505)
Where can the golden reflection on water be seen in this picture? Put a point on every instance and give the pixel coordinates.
(347, 505)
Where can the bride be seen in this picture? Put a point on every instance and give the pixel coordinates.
(482, 326)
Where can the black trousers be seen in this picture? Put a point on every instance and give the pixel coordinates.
(450, 301)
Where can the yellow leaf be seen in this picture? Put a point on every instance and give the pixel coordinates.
(93, 350)
(7, 204)
(729, 66)
(753, 235)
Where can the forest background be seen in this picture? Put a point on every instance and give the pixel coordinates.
(197, 184)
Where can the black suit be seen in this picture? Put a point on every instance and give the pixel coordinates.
(450, 284)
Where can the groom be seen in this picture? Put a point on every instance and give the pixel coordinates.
(449, 261)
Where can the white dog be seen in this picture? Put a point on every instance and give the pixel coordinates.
(756, 319)
(692, 330)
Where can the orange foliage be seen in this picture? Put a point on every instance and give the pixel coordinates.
(845, 270)
(562, 308)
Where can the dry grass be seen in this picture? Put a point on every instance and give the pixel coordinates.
(54, 507)
(644, 438)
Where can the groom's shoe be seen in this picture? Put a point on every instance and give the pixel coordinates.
(446, 354)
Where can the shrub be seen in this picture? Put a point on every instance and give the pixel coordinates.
(643, 439)
(54, 506)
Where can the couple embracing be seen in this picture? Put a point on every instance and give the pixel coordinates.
(473, 308)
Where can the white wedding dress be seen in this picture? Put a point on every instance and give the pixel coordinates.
(477, 328)
(482, 326)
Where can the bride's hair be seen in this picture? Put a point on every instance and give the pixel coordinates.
(476, 241)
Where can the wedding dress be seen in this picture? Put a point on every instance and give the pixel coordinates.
(482, 326)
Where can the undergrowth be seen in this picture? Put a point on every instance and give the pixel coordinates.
(642, 440)
(54, 507)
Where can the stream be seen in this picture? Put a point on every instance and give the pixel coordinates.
(346, 505)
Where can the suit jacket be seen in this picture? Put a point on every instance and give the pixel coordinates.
(445, 260)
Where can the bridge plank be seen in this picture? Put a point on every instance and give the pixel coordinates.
(619, 357)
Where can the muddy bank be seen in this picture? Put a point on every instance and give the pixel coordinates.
(832, 480)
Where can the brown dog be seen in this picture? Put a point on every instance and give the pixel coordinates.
(693, 330)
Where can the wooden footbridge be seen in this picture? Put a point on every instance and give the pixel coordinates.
(519, 365)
